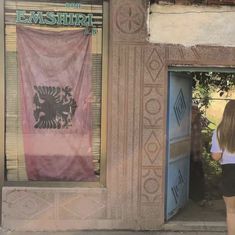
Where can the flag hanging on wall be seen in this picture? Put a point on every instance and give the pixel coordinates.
(55, 88)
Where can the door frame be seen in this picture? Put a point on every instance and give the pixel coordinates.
(185, 68)
(2, 101)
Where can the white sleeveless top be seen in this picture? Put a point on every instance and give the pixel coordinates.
(227, 157)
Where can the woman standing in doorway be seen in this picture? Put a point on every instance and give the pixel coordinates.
(223, 150)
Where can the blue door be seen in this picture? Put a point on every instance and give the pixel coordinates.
(178, 142)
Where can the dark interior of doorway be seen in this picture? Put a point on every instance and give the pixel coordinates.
(210, 92)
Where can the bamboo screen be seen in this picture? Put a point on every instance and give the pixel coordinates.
(14, 157)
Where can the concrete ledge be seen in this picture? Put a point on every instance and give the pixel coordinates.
(170, 228)
(207, 226)
(113, 232)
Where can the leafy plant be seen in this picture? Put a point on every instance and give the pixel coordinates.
(204, 85)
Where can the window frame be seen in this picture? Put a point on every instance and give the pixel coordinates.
(65, 184)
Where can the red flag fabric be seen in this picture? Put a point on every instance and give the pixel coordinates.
(55, 90)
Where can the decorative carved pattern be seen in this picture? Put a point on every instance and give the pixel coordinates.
(203, 55)
(152, 147)
(149, 88)
(177, 189)
(151, 184)
(130, 18)
(130, 22)
(152, 106)
(154, 64)
(151, 181)
(28, 205)
(180, 107)
(181, 53)
(57, 205)
(217, 55)
(80, 207)
(194, 50)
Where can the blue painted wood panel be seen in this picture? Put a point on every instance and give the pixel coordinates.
(178, 142)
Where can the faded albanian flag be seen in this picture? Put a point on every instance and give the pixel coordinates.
(55, 78)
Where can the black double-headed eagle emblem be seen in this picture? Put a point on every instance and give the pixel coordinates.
(54, 107)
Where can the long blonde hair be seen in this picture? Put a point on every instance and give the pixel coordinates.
(226, 128)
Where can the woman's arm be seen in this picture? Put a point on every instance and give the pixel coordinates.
(216, 156)
(216, 151)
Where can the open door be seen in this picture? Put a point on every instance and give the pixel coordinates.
(178, 142)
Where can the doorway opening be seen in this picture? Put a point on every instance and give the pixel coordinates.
(196, 100)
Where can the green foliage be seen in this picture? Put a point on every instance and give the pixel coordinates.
(212, 173)
(206, 83)
(212, 169)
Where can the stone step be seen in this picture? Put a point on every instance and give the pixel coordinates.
(202, 226)
(116, 233)
(170, 228)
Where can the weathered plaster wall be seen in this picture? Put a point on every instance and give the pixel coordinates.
(192, 25)
(136, 149)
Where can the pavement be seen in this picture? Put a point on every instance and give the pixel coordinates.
(170, 228)
(116, 233)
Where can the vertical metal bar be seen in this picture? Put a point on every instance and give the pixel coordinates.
(104, 93)
(2, 101)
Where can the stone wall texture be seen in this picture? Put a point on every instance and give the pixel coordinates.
(133, 197)
(199, 2)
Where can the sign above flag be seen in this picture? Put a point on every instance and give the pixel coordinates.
(57, 18)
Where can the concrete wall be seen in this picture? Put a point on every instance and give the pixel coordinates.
(192, 25)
